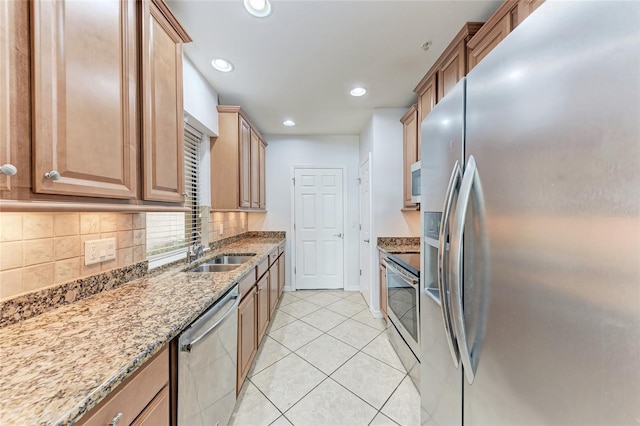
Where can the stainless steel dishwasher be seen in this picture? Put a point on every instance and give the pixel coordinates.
(207, 365)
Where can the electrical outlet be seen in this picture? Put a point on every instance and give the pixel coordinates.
(221, 227)
(96, 251)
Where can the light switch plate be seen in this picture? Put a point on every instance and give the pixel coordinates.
(96, 251)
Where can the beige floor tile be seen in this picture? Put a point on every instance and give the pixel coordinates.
(339, 293)
(287, 381)
(280, 319)
(354, 333)
(404, 405)
(380, 348)
(345, 307)
(281, 421)
(382, 420)
(252, 408)
(303, 294)
(322, 299)
(366, 318)
(299, 308)
(326, 353)
(324, 319)
(357, 298)
(295, 335)
(287, 298)
(381, 380)
(269, 352)
(331, 404)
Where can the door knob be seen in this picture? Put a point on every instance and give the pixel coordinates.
(338, 235)
(53, 175)
(366, 241)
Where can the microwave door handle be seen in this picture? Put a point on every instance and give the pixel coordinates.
(470, 182)
(443, 285)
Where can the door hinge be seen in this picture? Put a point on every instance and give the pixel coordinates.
(294, 180)
(360, 225)
(359, 180)
(360, 271)
(294, 270)
(294, 226)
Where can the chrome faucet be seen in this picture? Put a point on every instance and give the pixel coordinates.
(196, 251)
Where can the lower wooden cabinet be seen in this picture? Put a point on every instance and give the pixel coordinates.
(262, 293)
(274, 283)
(247, 335)
(383, 285)
(143, 399)
(281, 273)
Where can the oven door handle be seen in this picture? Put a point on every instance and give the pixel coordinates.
(405, 276)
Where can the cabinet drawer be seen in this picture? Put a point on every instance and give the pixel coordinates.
(245, 284)
(131, 397)
(262, 268)
(157, 412)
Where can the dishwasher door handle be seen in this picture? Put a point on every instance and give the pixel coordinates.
(186, 347)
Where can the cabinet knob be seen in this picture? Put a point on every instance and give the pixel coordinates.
(115, 420)
(53, 175)
(8, 169)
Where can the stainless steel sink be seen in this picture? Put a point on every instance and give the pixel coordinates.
(232, 259)
(207, 267)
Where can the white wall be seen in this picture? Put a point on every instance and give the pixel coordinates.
(382, 137)
(200, 99)
(282, 153)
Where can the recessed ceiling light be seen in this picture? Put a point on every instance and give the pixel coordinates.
(222, 65)
(258, 8)
(358, 91)
(289, 123)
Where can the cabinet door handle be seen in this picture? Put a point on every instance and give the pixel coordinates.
(8, 169)
(52, 175)
(115, 420)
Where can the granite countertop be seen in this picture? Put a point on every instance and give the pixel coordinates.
(57, 366)
(399, 244)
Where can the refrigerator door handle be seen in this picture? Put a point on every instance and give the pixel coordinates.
(442, 263)
(470, 182)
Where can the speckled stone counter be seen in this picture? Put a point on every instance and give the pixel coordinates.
(399, 244)
(57, 366)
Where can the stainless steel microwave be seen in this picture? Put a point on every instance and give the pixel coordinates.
(415, 181)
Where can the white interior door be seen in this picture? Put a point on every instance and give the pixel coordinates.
(319, 228)
(365, 231)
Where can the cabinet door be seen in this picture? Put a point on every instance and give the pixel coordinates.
(85, 76)
(452, 69)
(281, 273)
(274, 283)
(263, 306)
(157, 412)
(426, 102)
(263, 191)
(526, 8)
(255, 170)
(482, 47)
(410, 144)
(245, 163)
(383, 289)
(162, 111)
(247, 335)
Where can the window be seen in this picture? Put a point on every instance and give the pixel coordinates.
(169, 234)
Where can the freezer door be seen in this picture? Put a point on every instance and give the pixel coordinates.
(553, 124)
(440, 377)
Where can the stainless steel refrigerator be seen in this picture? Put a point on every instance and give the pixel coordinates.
(530, 284)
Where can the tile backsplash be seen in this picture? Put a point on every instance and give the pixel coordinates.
(233, 223)
(38, 250)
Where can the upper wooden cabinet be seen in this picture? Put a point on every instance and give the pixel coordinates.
(94, 106)
(237, 181)
(85, 75)
(15, 108)
(505, 19)
(410, 151)
(426, 102)
(162, 110)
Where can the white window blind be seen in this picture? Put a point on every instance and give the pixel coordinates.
(169, 234)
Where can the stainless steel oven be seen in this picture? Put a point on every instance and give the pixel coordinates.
(403, 308)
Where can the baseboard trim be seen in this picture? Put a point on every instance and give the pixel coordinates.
(377, 313)
(352, 288)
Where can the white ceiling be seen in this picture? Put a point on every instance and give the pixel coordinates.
(301, 61)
